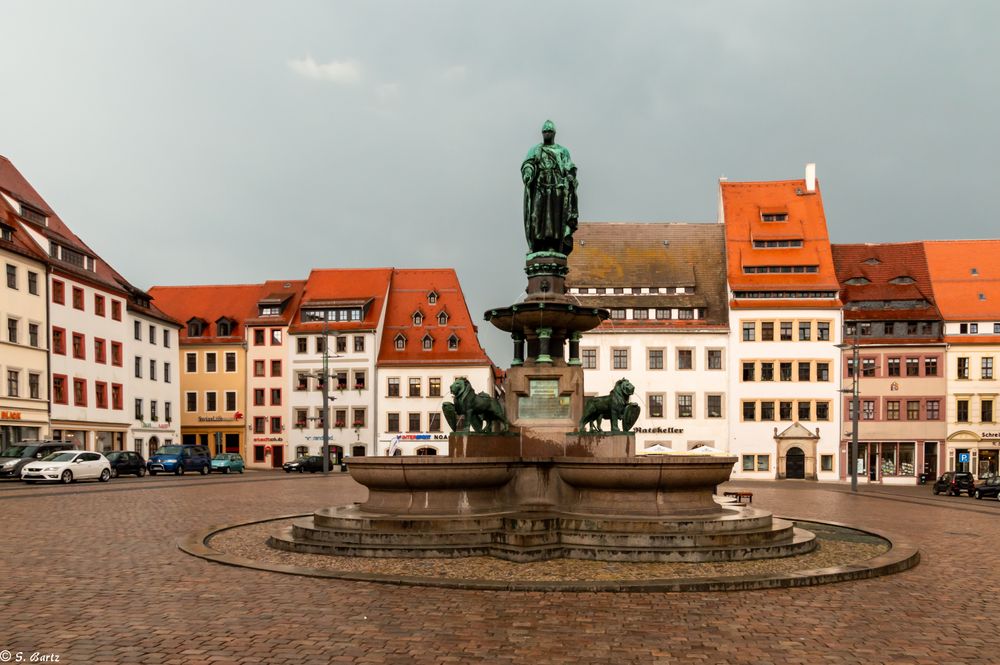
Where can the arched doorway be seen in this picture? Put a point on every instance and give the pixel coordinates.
(154, 445)
(427, 450)
(795, 463)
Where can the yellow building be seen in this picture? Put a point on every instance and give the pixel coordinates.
(213, 370)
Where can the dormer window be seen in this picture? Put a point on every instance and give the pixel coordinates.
(443, 319)
(432, 298)
(902, 279)
(400, 342)
(453, 342)
(195, 328)
(428, 343)
(35, 215)
(224, 327)
(872, 262)
(973, 271)
(418, 319)
(857, 281)
(6, 233)
(269, 310)
(773, 216)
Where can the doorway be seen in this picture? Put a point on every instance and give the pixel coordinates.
(795, 463)
(277, 456)
(873, 464)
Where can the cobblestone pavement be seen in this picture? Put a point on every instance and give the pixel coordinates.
(92, 573)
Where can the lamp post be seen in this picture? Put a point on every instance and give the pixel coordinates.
(324, 382)
(855, 405)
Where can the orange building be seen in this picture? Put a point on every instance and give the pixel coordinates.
(213, 370)
(965, 275)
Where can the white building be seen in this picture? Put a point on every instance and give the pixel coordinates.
(154, 391)
(24, 412)
(338, 322)
(428, 341)
(785, 322)
(668, 332)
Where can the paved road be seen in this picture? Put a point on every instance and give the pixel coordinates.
(91, 572)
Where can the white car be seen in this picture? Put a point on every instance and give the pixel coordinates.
(67, 466)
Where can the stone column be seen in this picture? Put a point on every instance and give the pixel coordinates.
(574, 349)
(518, 349)
(544, 336)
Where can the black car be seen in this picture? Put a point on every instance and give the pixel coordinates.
(989, 488)
(13, 458)
(954, 483)
(310, 463)
(124, 462)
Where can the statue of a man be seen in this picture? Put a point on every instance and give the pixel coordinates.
(550, 205)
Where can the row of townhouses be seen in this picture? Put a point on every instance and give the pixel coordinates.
(748, 334)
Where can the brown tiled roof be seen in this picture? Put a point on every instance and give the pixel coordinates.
(880, 264)
(18, 188)
(663, 254)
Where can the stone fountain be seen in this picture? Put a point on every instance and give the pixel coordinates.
(535, 477)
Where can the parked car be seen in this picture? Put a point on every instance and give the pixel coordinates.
(13, 458)
(126, 462)
(67, 466)
(178, 459)
(955, 482)
(989, 488)
(227, 463)
(310, 463)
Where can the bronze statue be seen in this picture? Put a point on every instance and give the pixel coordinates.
(479, 412)
(550, 204)
(614, 406)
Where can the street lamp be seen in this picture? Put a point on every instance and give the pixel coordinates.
(854, 390)
(324, 379)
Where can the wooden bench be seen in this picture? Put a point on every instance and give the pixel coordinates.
(741, 497)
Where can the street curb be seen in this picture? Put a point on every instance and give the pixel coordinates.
(900, 557)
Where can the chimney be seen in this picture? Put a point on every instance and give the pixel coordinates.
(810, 178)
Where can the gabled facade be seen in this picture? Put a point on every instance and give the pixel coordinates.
(966, 279)
(428, 341)
(889, 313)
(213, 361)
(665, 285)
(785, 321)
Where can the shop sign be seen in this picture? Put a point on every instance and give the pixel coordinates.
(658, 430)
(990, 435)
(10, 415)
(266, 439)
(214, 419)
(422, 437)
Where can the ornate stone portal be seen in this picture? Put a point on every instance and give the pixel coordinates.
(523, 480)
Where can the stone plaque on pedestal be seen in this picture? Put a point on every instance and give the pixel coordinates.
(543, 401)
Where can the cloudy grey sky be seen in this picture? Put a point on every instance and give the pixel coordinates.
(221, 142)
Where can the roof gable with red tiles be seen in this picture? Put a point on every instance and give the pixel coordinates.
(209, 303)
(343, 287)
(408, 295)
(744, 205)
(965, 277)
(894, 272)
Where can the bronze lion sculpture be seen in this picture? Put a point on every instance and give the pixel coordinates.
(614, 406)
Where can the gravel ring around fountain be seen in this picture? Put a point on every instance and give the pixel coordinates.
(899, 557)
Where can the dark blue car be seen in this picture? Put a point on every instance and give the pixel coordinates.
(178, 459)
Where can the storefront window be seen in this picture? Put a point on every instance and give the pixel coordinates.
(888, 459)
(907, 459)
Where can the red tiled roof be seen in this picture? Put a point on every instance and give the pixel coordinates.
(408, 294)
(783, 303)
(880, 264)
(960, 294)
(347, 286)
(743, 203)
(15, 185)
(21, 243)
(209, 303)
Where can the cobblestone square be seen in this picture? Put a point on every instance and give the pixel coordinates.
(93, 574)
